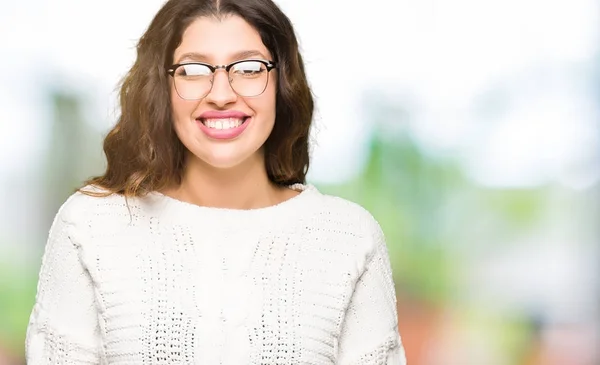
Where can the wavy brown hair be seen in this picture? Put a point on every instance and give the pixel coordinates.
(143, 151)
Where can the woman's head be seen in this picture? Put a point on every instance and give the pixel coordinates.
(163, 118)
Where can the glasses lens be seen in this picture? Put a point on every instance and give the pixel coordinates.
(249, 78)
(192, 81)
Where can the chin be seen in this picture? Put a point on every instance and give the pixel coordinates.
(207, 153)
(225, 161)
(222, 164)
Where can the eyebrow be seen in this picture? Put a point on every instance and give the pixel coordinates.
(195, 56)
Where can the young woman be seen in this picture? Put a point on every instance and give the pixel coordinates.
(202, 243)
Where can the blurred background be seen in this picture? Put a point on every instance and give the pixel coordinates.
(470, 129)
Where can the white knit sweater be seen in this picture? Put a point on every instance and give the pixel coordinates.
(160, 281)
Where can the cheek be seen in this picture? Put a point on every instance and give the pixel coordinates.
(175, 101)
(180, 108)
(268, 100)
(264, 107)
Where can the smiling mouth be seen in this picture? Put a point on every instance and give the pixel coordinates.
(223, 123)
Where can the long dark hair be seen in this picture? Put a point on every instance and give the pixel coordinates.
(143, 151)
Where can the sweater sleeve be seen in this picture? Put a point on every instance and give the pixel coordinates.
(370, 333)
(63, 326)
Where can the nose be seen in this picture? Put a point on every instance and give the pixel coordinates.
(221, 92)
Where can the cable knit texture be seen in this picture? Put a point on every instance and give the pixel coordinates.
(155, 280)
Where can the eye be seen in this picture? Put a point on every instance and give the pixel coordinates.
(248, 69)
(192, 70)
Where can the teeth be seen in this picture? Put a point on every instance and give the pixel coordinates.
(226, 123)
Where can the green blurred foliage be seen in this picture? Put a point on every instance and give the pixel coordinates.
(404, 191)
(17, 291)
(431, 214)
(73, 155)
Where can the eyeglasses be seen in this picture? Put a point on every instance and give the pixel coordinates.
(194, 80)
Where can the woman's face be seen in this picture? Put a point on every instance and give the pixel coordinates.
(222, 129)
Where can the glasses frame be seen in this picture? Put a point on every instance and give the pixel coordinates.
(269, 65)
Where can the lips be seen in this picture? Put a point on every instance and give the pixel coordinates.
(223, 124)
(223, 119)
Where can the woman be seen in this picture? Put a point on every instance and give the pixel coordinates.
(202, 243)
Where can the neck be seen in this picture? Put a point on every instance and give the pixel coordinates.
(245, 186)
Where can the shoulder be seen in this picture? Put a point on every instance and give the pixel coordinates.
(337, 213)
(344, 210)
(90, 204)
(343, 226)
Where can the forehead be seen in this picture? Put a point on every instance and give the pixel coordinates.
(219, 40)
